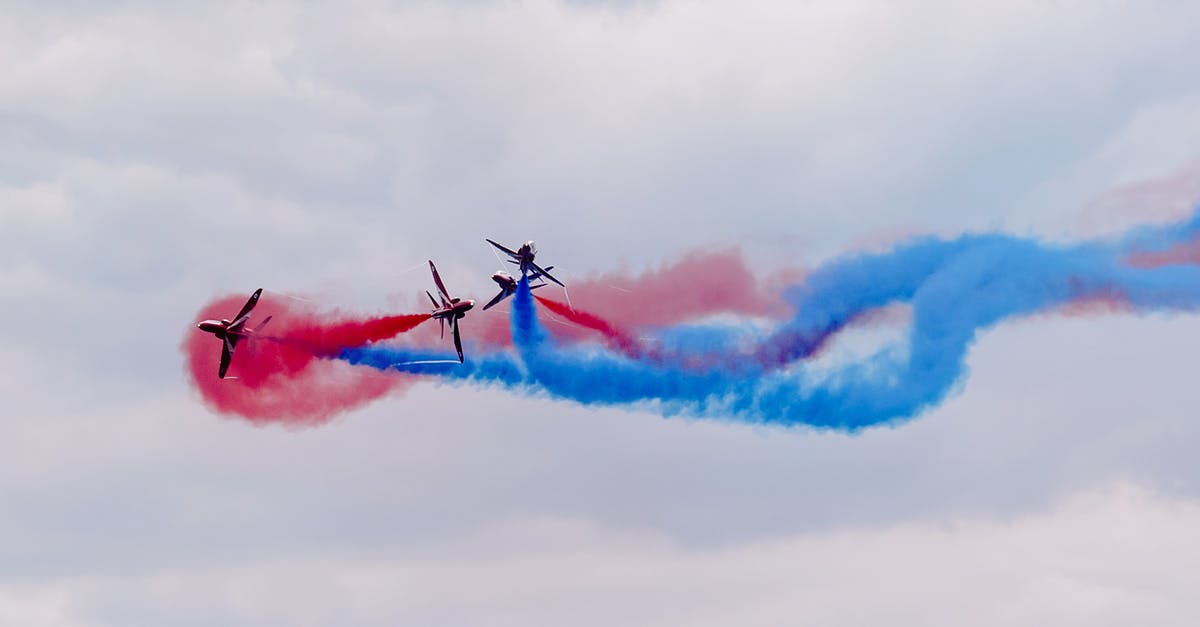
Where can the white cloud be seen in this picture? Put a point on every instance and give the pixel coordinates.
(539, 117)
(1116, 556)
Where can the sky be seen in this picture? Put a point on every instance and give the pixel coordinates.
(154, 155)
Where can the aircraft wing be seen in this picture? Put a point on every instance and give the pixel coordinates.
(247, 308)
(438, 281)
(499, 297)
(537, 274)
(226, 354)
(509, 251)
(457, 339)
(542, 272)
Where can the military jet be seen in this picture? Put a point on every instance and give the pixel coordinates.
(523, 257)
(450, 309)
(508, 286)
(232, 331)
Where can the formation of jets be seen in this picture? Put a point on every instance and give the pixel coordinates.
(446, 308)
(523, 257)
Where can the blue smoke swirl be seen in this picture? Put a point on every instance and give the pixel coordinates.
(953, 288)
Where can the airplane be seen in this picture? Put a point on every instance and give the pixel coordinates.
(450, 309)
(523, 257)
(231, 331)
(508, 286)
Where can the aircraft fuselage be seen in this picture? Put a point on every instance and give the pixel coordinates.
(525, 256)
(219, 328)
(457, 309)
(505, 281)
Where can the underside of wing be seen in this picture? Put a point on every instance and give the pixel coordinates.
(227, 347)
(457, 338)
(508, 251)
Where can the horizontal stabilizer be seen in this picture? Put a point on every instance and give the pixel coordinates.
(502, 248)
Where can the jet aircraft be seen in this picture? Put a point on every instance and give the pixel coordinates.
(508, 286)
(523, 257)
(450, 310)
(232, 331)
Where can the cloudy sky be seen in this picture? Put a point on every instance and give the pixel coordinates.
(153, 155)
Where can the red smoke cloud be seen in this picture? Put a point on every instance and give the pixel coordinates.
(699, 284)
(287, 375)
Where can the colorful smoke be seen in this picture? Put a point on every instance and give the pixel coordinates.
(695, 286)
(952, 289)
(288, 374)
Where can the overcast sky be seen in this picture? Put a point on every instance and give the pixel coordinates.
(154, 154)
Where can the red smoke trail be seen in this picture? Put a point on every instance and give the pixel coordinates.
(700, 284)
(327, 340)
(622, 341)
(281, 376)
(617, 338)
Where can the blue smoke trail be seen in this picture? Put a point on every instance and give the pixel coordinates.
(954, 288)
